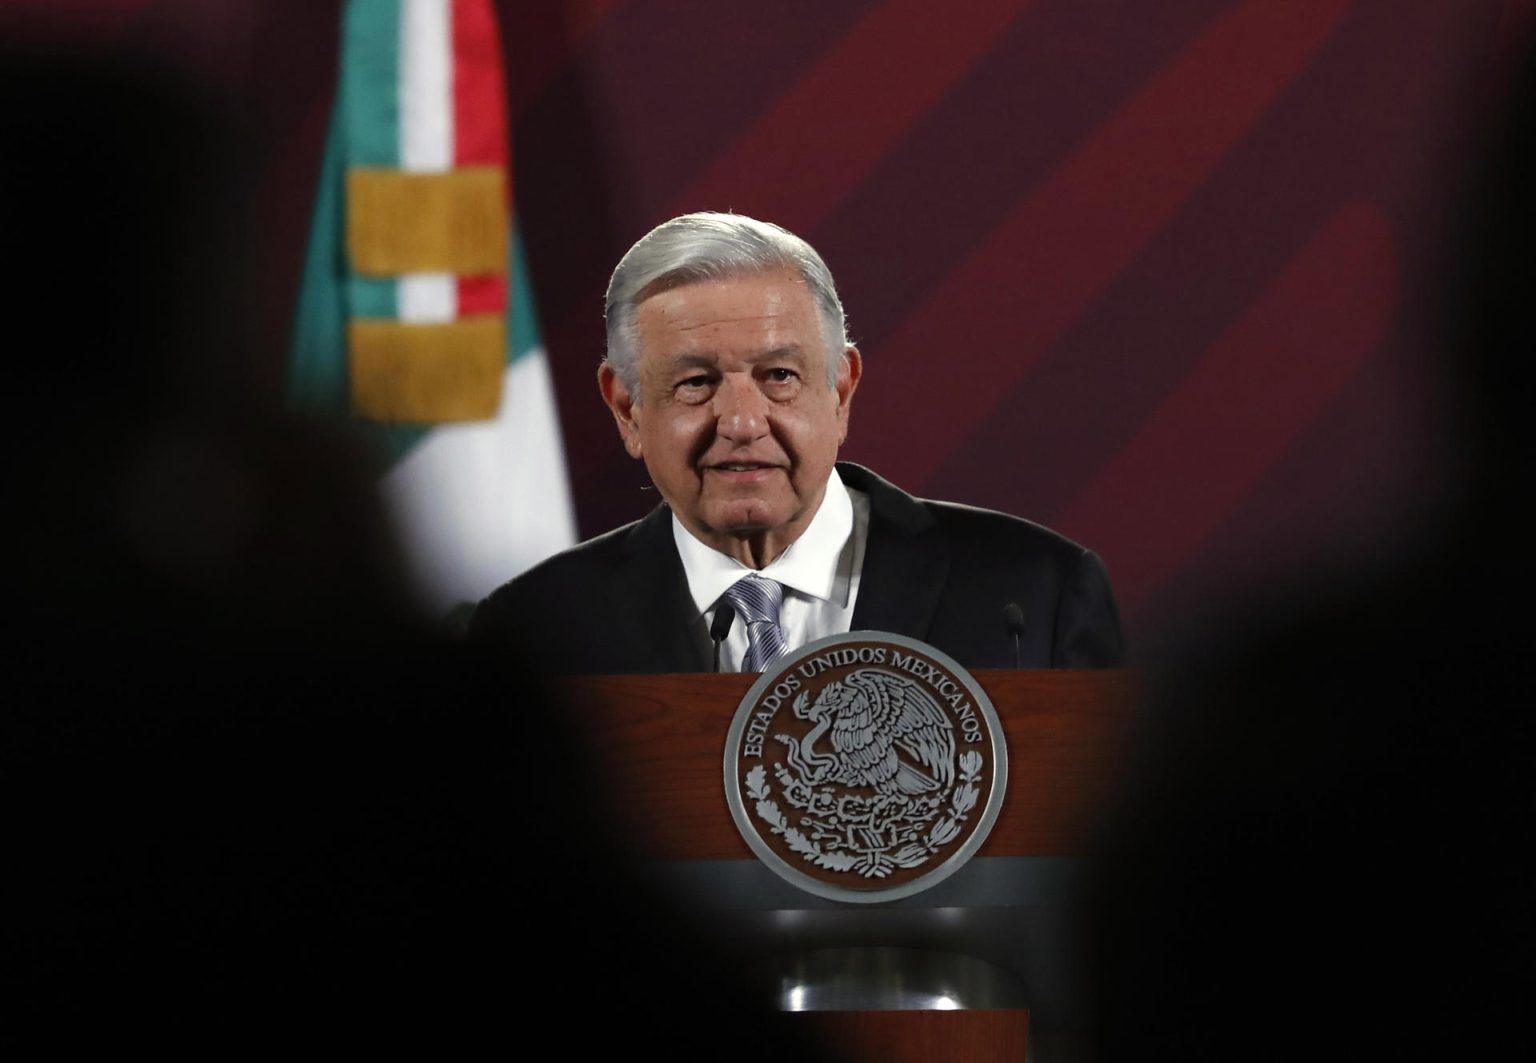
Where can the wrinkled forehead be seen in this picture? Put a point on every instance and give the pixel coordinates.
(746, 316)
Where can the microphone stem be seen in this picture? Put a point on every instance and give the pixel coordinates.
(721, 627)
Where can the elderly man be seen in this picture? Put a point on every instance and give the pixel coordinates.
(729, 373)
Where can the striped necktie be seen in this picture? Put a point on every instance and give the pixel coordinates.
(757, 601)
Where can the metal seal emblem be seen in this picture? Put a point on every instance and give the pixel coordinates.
(865, 767)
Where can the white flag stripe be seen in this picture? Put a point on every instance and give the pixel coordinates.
(476, 504)
(426, 139)
(427, 298)
(426, 86)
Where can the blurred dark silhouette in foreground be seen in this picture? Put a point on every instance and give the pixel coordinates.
(250, 799)
(1321, 847)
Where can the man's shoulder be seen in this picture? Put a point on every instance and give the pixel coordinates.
(599, 607)
(561, 576)
(975, 565)
(974, 528)
(986, 534)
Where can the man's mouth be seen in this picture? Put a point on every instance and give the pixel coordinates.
(742, 472)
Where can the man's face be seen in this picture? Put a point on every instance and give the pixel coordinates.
(735, 420)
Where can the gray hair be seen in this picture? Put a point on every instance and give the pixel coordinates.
(712, 246)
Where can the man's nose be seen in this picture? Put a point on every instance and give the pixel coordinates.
(741, 408)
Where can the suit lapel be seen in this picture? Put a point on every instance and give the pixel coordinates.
(906, 564)
(659, 607)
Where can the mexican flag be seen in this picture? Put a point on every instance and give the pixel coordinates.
(415, 318)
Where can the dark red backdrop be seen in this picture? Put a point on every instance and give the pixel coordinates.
(1162, 276)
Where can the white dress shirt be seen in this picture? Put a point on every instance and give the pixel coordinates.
(819, 571)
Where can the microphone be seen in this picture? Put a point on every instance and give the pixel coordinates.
(721, 627)
(1013, 617)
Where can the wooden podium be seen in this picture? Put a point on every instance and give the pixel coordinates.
(995, 929)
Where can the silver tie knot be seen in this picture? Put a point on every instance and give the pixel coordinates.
(757, 602)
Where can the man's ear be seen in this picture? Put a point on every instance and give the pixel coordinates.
(622, 403)
(848, 374)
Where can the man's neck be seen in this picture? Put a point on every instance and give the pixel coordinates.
(809, 564)
(757, 548)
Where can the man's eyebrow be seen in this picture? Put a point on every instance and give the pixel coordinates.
(791, 350)
(707, 360)
(690, 360)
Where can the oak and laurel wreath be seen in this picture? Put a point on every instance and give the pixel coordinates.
(962, 800)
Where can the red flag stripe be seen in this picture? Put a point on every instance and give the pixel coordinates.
(485, 294)
(479, 87)
(480, 125)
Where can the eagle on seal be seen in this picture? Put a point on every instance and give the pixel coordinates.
(887, 733)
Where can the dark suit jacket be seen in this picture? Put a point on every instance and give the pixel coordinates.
(934, 571)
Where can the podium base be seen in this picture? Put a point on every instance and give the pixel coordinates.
(877, 978)
(913, 1036)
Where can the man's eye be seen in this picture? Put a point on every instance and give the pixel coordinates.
(694, 389)
(781, 376)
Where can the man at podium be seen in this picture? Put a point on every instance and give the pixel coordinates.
(730, 374)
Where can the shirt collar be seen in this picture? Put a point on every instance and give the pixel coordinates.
(808, 566)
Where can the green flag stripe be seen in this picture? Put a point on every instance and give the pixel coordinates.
(317, 365)
(370, 85)
(523, 336)
(373, 296)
